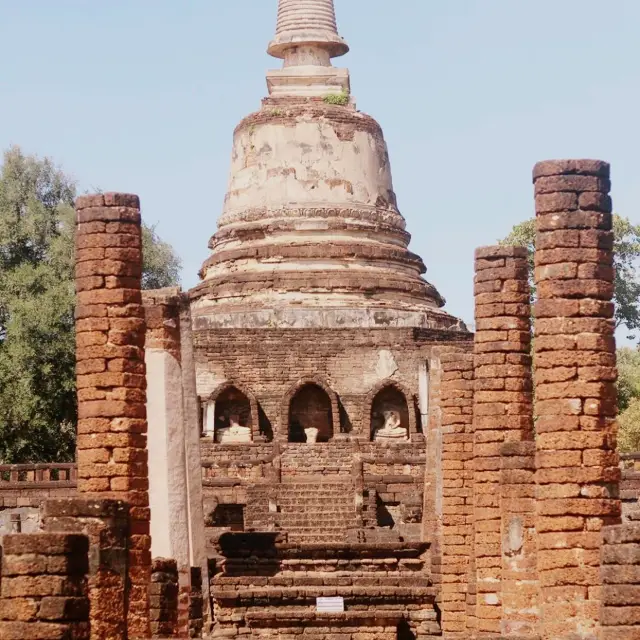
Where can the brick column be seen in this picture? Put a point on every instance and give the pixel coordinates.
(110, 334)
(577, 466)
(44, 587)
(456, 403)
(168, 495)
(504, 448)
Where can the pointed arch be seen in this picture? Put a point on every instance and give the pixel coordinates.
(333, 406)
(404, 397)
(233, 391)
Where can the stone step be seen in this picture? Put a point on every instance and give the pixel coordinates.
(316, 509)
(310, 526)
(295, 502)
(316, 495)
(316, 487)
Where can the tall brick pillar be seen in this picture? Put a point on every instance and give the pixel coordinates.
(110, 334)
(575, 395)
(456, 401)
(503, 445)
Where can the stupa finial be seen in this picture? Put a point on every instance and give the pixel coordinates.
(307, 23)
(306, 39)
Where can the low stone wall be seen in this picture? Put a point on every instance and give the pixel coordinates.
(620, 571)
(630, 490)
(163, 598)
(196, 604)
(106, 523)
(393, 484)
(269, 588)
(44, 587)
(24, 487)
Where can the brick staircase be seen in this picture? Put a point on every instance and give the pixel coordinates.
(312, 512)
(329, 459)
(268, 587)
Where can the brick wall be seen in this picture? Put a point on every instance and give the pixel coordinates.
(504, 541)
(268, 588)
(456, 534)
(268, 362)
(24, 487)
(44, 587)
(620, 571)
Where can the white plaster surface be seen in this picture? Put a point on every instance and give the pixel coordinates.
(276, 164)
(167, 472)
(387, 364)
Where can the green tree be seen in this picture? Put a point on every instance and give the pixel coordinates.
(37, 377)
(627, 313)
(628, 399)
(626, 251)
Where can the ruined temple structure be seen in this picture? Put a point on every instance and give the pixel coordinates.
(306, 445)
(313, 329)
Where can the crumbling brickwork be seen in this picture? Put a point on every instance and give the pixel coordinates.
(620, 572)
(110, 335)
(268, 588)
(196, 604)
(577, 475)
(503, 444)
(456, 401)
(44, 587)
(163, 599)
(106, 524)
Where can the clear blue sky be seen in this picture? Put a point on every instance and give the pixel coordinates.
(143, 96)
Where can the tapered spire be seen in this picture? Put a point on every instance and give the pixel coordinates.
(310, 23)
(306, 39)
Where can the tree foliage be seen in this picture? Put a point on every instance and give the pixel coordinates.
(37, 360)
(629, 399)
(627, 314)
(626, 252)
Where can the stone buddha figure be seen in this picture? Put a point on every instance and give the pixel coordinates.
(391, 429)
(233, 432)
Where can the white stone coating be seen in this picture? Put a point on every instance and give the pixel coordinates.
(310, 233)
(167, 473)
(278, 164)
(303, 22)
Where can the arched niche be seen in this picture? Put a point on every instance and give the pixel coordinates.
(391, 413)
(235, 414)
(310, 412)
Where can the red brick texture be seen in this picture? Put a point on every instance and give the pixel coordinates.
(44, 587)
(110, 335)
(575, 396)
(503, 444)
(620, 571)
(106, 524)
(162, 316)
(167, 619)
(456, 401)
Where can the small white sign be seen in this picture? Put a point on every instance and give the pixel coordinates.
(330, 605)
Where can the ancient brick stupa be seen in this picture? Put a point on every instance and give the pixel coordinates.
(361, 468)
(312, 323)
(310, 234)
(314, 334)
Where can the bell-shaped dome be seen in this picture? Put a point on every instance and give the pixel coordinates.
(310, 233)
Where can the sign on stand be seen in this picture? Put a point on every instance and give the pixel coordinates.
(330, 605)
